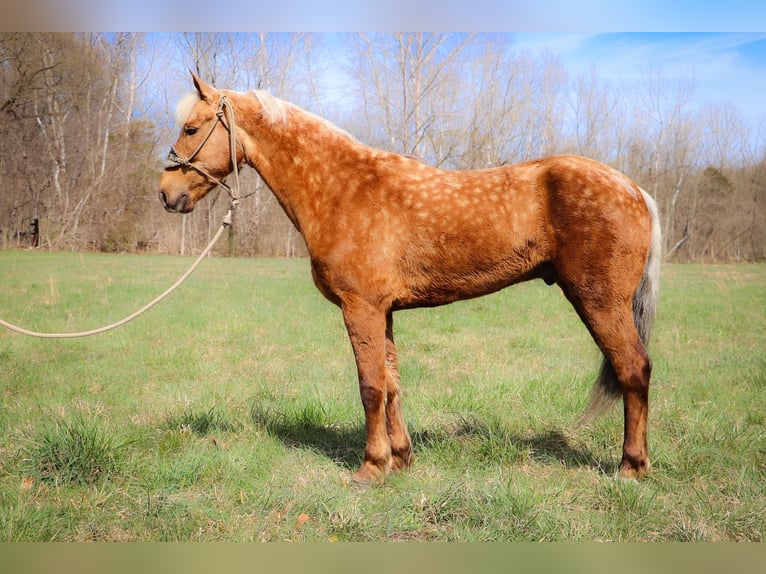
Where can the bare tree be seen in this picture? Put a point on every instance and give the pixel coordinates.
(409, 83)
(597, 117)
(64, 94)
(673, 138)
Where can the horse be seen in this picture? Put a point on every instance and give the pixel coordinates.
(387, 232)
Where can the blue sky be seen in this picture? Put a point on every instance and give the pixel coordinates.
(386, 15)
(725, 67)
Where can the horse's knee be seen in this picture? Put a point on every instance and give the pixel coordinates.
(373, 396)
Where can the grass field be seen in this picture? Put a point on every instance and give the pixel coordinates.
(231, 411)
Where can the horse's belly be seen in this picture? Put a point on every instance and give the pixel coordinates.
(448, 282)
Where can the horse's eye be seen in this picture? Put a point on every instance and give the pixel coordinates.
(189, 131)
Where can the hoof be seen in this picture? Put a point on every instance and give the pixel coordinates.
(634, 470)
(403, 461)
(368, 475)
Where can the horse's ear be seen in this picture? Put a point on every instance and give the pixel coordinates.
(205, 91)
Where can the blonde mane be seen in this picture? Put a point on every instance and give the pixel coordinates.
(275, 110)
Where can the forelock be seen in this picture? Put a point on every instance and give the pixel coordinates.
(184, 107)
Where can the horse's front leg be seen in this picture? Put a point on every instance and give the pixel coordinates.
(401, 445)
(366, 325)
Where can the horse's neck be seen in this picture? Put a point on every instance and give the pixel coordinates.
(295, 159)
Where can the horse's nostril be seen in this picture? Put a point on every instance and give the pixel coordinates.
(177, 205)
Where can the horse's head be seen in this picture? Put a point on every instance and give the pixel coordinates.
(201, 157)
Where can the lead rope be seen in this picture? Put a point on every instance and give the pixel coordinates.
(227, 220)
(233, 193)
(141, 311)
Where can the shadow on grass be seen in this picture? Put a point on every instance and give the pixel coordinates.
(341, 443)
(473, 439)
(556, 447)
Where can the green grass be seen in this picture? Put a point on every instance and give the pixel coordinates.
(81, 451)
(231, 411)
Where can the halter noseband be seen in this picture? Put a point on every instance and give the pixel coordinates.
(174, 160)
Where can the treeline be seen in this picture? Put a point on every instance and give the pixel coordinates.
(72, 153)
(86, 118)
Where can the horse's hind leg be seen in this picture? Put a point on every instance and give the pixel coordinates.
(401, 445)
(608, 315)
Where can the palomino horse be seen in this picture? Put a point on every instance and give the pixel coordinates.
(386, 232)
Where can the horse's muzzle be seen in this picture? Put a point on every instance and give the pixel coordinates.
(180, 205)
